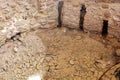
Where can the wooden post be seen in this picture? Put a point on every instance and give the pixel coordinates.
(60, 5)
(82, 15)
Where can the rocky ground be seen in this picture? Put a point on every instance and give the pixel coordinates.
(73, 55)
(30, 43)
(60, 54)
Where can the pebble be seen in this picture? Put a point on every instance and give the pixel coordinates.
(115, 18)
(118, 52)
(48, 59)
(105, 6)
(78, 37)
(15, 49)
(64, 30)
(71, 62)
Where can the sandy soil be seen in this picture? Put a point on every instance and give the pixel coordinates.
(60, 54)
(74, 55)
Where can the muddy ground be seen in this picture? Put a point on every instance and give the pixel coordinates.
(60, 54)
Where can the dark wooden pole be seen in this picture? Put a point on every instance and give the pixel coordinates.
(82, 15)
(60, 5)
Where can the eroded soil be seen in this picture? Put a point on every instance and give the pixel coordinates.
(74, 55)
(60, 54)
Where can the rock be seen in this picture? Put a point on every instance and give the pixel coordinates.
(78, 37)
(64, 30)
(71, 62)
(1, 28)
(105, 6)
(116, 18)
(48, 59)
(107, 14)
(118, 52)
(15, 49)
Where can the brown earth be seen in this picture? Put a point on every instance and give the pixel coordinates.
(60, 54)
(74, 55)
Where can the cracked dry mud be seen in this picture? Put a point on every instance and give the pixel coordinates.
(60, 54)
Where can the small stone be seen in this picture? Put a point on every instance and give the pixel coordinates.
(27, 65)
(78, 37)
(105, 6)
(15, 49)
(71, 62)
(115, 18)
(12, 4)
(64, 30)
(48, 59)
(118, 52)
(1, 28)
(107, 14)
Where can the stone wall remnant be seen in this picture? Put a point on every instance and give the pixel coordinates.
(22, 15)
